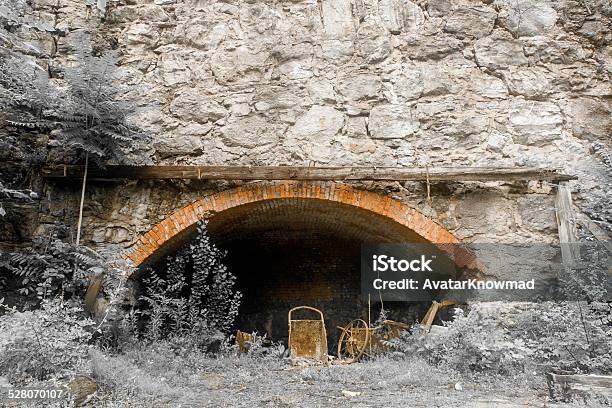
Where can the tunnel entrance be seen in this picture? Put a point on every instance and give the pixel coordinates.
(293, 252)
(292, 249)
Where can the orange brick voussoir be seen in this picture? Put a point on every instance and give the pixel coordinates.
(263, 191)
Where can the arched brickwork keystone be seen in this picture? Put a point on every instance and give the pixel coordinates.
(377, 203)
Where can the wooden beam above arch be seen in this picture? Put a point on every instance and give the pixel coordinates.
(349, 173)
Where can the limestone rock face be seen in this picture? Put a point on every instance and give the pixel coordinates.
(338, 18)
(528, 18)
(398, 15)
(499, 51)
(430, 47)
(591, 118)
(472, 22)
(178, 145)
(142, 34)
(535, 123)
(392, 122)
(358, 82)
(360, 86)
(439, 8)
(532, 83)
(321, 91)
(407, 84)
(251, 131)
(373, 43)
(191, 104)
(240, 65)
(319, 121)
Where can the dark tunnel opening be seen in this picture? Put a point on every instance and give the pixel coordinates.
(303, 252)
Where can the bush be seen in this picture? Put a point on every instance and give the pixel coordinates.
(511, 339)
(191, 296)
(473, 342)
(50, 267)
(568, 336)
(45, 343)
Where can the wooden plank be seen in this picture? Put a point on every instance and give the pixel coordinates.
(562, 385)
(92, 292)
(309, 173)
(566, 224)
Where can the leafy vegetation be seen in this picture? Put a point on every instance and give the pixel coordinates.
(50, 268)
(86, 120)
(520, 338)
(192, 294)
(49, 342)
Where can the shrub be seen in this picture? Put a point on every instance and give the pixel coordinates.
(510, 339)
(473, 342)
(567, 336)
(40, 344)
(192, 296)
(50, 267)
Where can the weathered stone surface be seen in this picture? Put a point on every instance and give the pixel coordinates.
(392, 122)
(431, 111)
(142, 34)
(431, 47)
(185, 140)
(321, 91)
(437, 81)
(532, 82)
(251, 131)
(535, 212)
(193, 104)
(488, 85)
(400, 15)
(356, 82)
(360, 86)
(277, 97)
(297, 68)
(356, 127)
(373, 43)
(319, 121)
(471, 22)
(439, 8)
(240, 65)
(174, 68)
(200, 33)
(152, 13)
(498, 51)
(338, 17)
(111, 235)
(496, 142)
(527, 17)
(480, 212)
(408, 84)
(591, 119)
(535, 123)
(336, 51)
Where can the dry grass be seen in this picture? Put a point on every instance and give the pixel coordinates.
(161, 377)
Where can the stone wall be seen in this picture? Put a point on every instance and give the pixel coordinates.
(355, 82)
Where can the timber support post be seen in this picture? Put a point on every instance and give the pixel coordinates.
(566, 224)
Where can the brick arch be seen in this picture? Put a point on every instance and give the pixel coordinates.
(377, 203)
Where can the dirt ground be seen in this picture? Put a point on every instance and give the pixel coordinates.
(246, 382)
